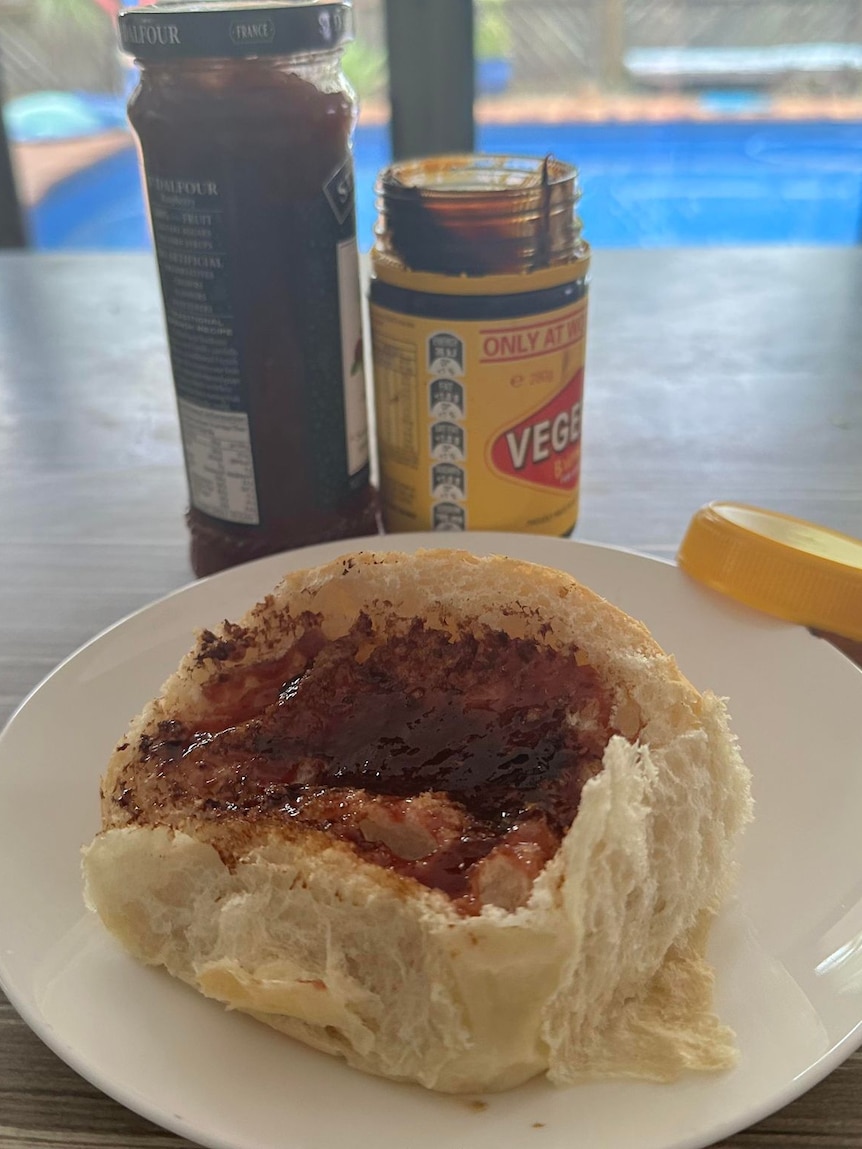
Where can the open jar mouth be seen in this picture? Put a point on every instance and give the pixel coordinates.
(479, 214)
(499, 174)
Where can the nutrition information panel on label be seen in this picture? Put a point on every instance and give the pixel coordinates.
(193, 264)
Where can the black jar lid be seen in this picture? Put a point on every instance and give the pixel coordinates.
(185, 29)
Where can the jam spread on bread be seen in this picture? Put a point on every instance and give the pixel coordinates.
(457, 760)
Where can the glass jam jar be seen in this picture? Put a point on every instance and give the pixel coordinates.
(245, 123)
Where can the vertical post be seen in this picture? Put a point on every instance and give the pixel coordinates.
(430, 45)
(614, 42)
(11, 225)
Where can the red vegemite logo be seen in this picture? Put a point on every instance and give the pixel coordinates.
(544, 448)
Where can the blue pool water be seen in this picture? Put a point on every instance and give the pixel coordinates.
(99, 208)
(645, 185)
(670, 184)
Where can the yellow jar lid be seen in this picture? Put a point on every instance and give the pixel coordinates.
(787, 567)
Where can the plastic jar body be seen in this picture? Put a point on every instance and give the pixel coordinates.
(249, 177)
(478, 312)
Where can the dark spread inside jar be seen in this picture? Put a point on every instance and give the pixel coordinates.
(454, 760)
(479, 214)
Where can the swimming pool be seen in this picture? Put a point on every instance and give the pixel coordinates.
(680, 183)
(644, 184)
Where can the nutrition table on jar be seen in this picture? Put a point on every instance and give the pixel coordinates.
(711, 374)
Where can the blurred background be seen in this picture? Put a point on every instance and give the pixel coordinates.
(693, 122)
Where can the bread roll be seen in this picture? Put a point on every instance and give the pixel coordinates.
(439, 922)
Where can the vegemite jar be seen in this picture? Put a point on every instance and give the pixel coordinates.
(478, 315)
(245, 122)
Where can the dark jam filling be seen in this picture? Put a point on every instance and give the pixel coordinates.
(433, 756)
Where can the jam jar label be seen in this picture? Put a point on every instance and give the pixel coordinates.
(479, 421)
(188, 226)
(264, 328)
(544, 448)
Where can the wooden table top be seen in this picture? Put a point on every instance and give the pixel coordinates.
(720, 374)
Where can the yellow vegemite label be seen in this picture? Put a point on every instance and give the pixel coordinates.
(479, 421)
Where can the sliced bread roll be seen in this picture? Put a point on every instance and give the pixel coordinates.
(457, 820)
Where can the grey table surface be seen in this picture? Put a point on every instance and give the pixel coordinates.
(712, 374)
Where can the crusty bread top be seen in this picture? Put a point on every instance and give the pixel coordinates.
(451, 591)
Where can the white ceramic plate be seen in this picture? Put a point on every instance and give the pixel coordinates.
(788, 952)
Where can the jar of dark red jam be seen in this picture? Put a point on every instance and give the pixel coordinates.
(245, 122)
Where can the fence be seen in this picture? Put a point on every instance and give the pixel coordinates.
(61, 53)
(553, 44)
(567, 44)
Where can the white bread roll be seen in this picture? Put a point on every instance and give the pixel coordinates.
(600, 972)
